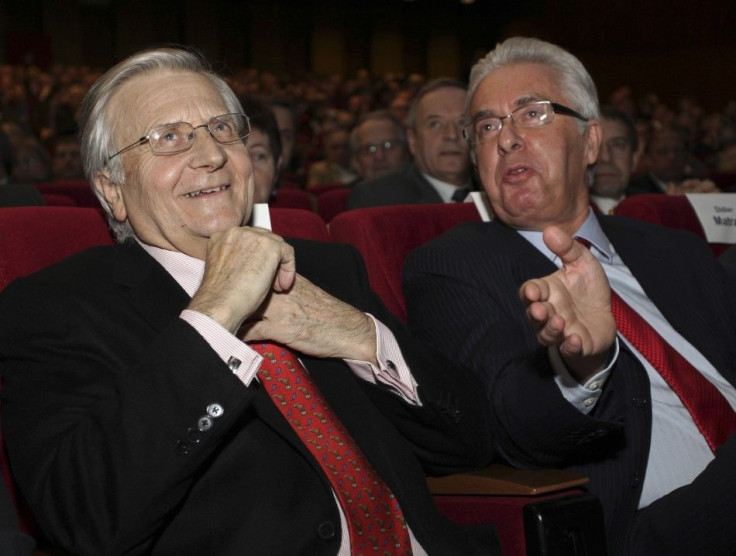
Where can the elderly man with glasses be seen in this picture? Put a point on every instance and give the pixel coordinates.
(648, 416)
(195, 389)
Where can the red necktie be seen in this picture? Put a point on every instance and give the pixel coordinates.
(375, 521)
(710, 411)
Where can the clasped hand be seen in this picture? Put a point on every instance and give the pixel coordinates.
(571, 308)
(252, 289)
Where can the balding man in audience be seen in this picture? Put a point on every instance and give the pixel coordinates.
(649, 418)
(378, 144)
(191, 390)
(440, 172)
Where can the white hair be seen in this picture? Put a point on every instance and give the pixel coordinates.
(97, 119)
(572, 77)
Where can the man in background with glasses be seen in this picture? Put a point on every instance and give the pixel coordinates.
(440, 171)
(648, 416)
(153, 399)
(378, 144)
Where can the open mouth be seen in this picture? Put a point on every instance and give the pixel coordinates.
(194, 194)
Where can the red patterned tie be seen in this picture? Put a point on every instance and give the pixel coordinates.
(710, 411)
(375, 521)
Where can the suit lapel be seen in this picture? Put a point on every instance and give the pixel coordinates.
(152, 291)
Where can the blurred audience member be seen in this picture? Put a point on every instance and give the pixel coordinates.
(264, 148)
(32, 161)
(668, 166)
(67, 161)
(378, 144)
(440, 172)
(616, 160)
(335, 168)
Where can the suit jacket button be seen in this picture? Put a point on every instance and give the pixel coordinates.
(193, 435)
(326, 530)
(215, 410)
(639, 401)
(204, 423)
(182, 448)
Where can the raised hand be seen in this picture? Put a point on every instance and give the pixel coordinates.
(308, 319)
(243, 266)
(571, 308)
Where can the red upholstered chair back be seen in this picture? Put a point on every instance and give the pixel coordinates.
(298, 223)
(332, 202)
(79, 190)
(386, 235)
(292, 198)
(30, 239)
(34, 237)
(671, 211)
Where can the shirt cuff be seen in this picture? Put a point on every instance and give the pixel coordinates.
(235, 353)
(392, 370)
(582, 396)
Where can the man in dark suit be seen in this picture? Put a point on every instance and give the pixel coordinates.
(665, 486)
(137, 415)
(669, 166)
(441, 165)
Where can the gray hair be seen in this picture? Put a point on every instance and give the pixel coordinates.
(572, 78)
(376, 115)
(432, 86)
(97, 119)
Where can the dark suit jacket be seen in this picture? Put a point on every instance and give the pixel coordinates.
(403, 186)
(462, 296)
(643, 184)
(19, 195)
(104, 385)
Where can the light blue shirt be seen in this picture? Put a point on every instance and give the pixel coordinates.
(678, 451)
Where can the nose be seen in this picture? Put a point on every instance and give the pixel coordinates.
(452, 130)
(206, 151)
(509, 138)
(604, 155)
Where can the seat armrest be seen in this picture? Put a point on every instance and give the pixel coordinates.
(501, 480)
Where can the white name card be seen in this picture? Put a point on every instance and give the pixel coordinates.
(261, 217)
(480, 200)
(717, 215)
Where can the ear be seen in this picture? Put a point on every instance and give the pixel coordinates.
(112, 193)
(412, 138)
(593, 138)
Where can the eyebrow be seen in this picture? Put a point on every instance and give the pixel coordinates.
(518, 103)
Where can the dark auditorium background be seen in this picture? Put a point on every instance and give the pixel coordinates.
(677, 48)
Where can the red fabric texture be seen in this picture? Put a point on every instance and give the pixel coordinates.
(375, 521)
(671, 211)
(386, 235)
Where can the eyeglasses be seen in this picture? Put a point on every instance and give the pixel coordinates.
(534, 114)
(179, 136)
(370, 149)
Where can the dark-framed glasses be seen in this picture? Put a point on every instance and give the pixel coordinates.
(485, 127)
(370, 149)
(178, 137)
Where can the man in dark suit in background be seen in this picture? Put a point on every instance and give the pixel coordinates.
(138, 414)
(441, 166)
(666, 477)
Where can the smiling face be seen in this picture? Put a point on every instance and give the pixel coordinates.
(176, 201)
(534, 177)
(436, 140)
